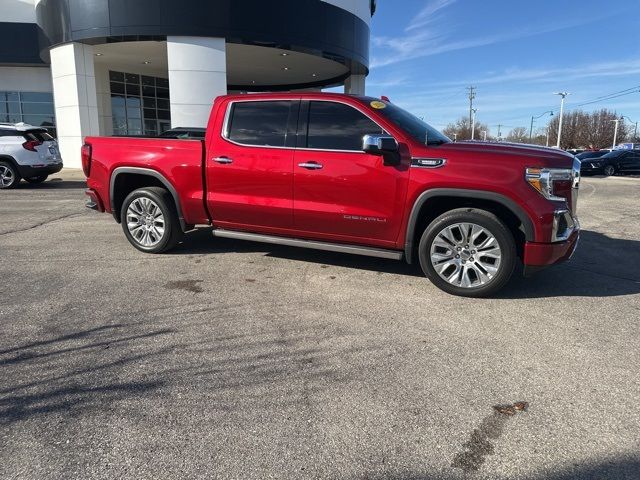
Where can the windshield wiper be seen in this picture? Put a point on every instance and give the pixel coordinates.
(436, 142)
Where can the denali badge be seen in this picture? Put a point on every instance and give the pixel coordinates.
(365, 219)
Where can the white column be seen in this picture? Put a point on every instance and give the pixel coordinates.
(74, 95)
(197, 75)
(355, 84)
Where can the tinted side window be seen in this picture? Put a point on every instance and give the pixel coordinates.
(335, 126)
(259, 123)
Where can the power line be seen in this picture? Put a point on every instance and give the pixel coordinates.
(621, 91)
(605, 98)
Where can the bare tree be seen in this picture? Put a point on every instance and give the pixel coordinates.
(461, 130)
(518, 134)
(587, 130)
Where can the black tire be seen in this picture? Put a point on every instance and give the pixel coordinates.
(609, 170)
(491, 224)
(9, 176)
(172, 231)
(38, 179)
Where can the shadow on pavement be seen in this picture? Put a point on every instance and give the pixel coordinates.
(53, 184)
(140, 364)
(619, 469)
(601, 267)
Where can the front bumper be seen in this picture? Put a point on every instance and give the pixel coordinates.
(28, 171)
(540, 255)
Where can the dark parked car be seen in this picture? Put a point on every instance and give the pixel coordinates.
(185, 133)
(617, 161)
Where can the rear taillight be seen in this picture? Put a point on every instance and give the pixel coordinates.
(86, 159)
(31, 145)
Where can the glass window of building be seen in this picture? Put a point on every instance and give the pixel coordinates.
(139, 104)
(34, 108)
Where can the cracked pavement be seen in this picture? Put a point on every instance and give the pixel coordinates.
(227, 359)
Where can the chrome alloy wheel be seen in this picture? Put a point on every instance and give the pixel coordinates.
(145, 222)
(466, 255)
(6, 176)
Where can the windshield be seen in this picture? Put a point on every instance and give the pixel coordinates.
(614, 154)
(416, 128)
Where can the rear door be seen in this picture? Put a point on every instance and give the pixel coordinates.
(250, 165)
(340, 192)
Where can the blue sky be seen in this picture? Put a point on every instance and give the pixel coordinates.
(424, 53)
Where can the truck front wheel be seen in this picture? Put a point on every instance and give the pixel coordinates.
(150, 221)
(468, 252)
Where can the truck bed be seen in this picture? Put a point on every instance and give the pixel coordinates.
(179, 161)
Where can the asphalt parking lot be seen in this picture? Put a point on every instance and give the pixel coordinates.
(237, 360)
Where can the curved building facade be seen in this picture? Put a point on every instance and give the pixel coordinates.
(140, 67)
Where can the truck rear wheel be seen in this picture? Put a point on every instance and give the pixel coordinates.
(150, 221)
(468, 252)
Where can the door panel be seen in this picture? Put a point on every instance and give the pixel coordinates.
(353, 194)
(251, 185)
(338, 189)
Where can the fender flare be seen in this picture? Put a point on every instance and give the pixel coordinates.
(424, 197)
(151, 173)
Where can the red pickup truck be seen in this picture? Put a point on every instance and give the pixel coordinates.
(345, 174)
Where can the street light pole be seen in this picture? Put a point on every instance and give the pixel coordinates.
(615, 133)
(550, 112)
(563, 95)
(547, 135)
(484, 135)
(473, 123)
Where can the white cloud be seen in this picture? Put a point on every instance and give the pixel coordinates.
(425, 16)
(429, 34)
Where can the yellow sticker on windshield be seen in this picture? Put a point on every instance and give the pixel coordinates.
(378, 105)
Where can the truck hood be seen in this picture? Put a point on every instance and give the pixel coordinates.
(545, 157)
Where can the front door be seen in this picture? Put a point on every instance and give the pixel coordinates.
(630, 162)
(250, 167)
(340, 192)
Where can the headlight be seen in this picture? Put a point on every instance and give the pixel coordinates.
(553, 183)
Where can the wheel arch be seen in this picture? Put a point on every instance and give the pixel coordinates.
(125, 180)
(432, 203)
(9, 159)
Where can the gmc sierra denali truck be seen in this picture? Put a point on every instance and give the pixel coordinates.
(345, 174)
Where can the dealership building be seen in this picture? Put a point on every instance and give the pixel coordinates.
(140, 67)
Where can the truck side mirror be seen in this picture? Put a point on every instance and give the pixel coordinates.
(382, 145)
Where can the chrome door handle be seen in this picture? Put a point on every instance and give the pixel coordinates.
(310, 165)
(223, 160)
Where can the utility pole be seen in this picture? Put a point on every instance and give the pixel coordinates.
(473, 123)
(615, 133)
(472, 96)
(563, 95)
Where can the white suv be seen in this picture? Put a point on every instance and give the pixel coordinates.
(26, 152)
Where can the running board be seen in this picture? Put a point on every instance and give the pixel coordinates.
(294, 242)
